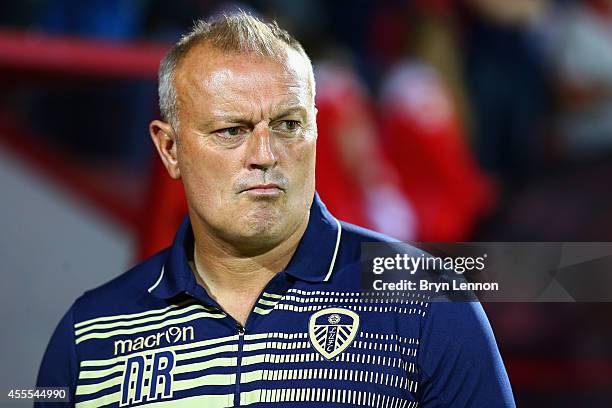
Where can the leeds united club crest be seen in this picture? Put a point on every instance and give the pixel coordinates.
(332, 330)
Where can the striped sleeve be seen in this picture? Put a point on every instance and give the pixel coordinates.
(59, 367)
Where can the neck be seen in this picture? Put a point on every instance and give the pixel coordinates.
(234, 279)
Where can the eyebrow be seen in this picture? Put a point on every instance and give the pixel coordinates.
(224, 118)
(289, 111)
(238, 118)
(231, 118)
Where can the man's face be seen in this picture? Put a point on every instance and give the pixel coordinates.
(246, 144)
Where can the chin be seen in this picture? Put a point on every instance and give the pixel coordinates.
(263, 227)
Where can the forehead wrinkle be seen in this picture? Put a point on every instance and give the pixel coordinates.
(235, 88)
(269, 105)
(249, 109)
(228, 85)
(231, 115)
(288, 107)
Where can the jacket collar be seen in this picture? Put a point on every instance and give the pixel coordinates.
(313, 261)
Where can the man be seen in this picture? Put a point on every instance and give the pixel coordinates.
(258, 299)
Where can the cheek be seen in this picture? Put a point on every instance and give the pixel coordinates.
(301, 161)
(204, 172)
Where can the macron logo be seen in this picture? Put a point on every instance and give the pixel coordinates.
(171, 335)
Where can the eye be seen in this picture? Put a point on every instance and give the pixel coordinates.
(288, 126)
(292, 124)
(230, 132)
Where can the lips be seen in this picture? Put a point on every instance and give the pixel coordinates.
(264, 188)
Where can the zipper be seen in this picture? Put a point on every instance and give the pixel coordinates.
(240, 329)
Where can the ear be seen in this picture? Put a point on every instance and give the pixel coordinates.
(165, 141)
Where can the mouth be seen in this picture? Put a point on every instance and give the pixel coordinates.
(264, 189)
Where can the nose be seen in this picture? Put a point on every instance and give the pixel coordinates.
(260, 150)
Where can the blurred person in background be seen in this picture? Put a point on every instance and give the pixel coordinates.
(422, 124)
(569, 140)
(426, 142)
(583, 63)
(90, 130)
(508, 84)
(355, 178)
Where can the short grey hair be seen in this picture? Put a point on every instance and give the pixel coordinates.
(239, 33)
